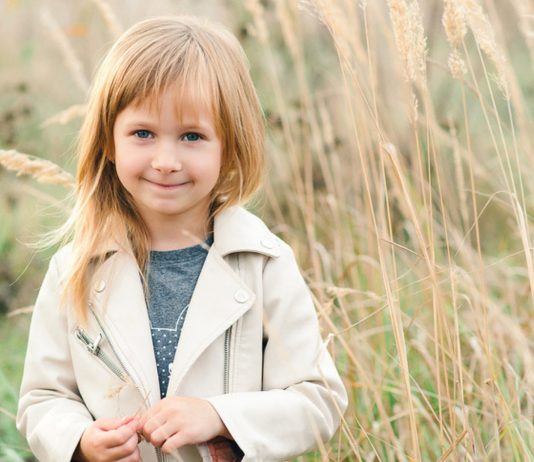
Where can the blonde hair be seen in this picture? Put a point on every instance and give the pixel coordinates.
(204, 63)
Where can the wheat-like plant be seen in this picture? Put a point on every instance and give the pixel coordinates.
(65, 116)
(109, 17)
(42, 170)
(410, 37)
(72, 61)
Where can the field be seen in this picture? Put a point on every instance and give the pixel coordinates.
(400, 152)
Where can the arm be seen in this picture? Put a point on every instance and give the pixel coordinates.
(51, 414)
(303, 396)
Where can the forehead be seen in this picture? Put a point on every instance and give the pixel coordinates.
(186, 101)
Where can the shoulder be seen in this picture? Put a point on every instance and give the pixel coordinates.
(61, 261)
(63, 257)
(238, 230)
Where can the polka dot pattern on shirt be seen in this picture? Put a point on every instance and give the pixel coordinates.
(172, 278)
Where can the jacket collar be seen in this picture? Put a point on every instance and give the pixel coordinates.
(237, 230)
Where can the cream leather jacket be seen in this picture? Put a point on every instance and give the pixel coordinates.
(250, 345)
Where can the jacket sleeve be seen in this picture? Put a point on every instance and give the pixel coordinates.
(51, 414)
(303, 397)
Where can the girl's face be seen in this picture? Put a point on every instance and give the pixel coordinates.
(168, 166)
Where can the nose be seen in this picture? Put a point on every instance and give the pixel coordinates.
(166, 159)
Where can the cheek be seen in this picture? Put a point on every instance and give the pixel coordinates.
(127, 170)
(214, 171)
(217, 161)
(206, 167)
(127, 162)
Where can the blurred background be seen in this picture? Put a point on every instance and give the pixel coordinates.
(399, 146)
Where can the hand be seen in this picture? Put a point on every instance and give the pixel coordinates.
(107, 440)
(177, 421)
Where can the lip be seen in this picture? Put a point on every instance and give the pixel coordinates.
(168, 185)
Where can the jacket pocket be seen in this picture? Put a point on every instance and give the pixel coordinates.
(93, 347)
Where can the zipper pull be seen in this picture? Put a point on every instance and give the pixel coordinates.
(92, 346)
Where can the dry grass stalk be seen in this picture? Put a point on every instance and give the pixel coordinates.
(42, 170)
(484, 35)
(7, 413)
(258, 14)
(525, 14)
(410, 38)
(65, 116)
(459, 176)
(335, 20)
(286, 17)
(71, 60)
(19, 311)
(109, 17)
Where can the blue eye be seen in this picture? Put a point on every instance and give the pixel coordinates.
(143, 134)
(192, 136)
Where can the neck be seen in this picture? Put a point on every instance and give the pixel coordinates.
(171, 233)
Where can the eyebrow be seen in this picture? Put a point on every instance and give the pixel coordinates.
(150, 124)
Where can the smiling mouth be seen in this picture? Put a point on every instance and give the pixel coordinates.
(168, 185)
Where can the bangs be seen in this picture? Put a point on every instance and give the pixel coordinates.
(182, 67)
(192, 94)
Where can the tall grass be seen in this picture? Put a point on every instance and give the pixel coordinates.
(399, 170)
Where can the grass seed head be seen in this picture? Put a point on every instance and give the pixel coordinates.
(484, 35)
(410, 37)
(454, 22)
(42, 170)
(457, 65)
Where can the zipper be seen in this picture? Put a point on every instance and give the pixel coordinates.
(227, 340)
(124, 368)
(159, 455)
(227, 345)
(120, 371)
(93, 346)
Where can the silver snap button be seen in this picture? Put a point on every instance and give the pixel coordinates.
(267, 243)
(241, 296)
(100, 286)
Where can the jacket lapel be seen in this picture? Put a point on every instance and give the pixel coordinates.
(121, 307)
(220, 298)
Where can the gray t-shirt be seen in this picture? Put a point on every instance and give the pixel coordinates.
(172, 277)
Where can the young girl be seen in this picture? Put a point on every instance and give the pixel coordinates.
(174, 322)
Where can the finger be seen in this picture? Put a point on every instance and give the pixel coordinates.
(133, 457)
(126, 420)
(140, 423)
(162, 433)
(119, 436)
(151, 425)
(145, 417)
(106, 424)
(142, 419)
(175, 441)
(132, 423)
(125, 450)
